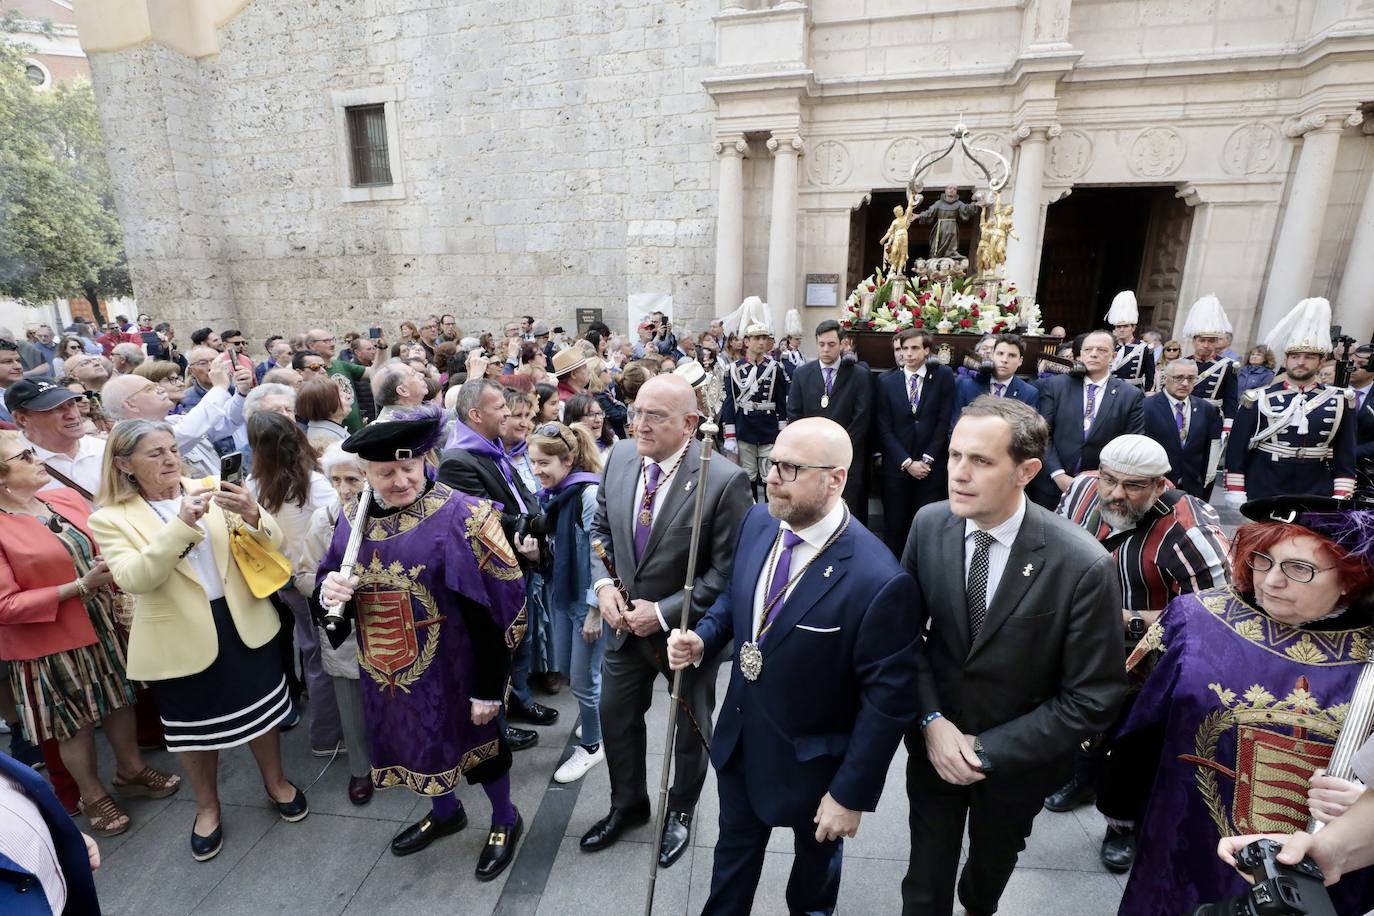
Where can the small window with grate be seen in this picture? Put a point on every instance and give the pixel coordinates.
(370, 159)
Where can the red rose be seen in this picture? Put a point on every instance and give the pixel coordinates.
(870, 324)
(903, 299)
(973, 312)
(918, 323)
(872, 288)
(846, 323)
(982, 294)
(966, 323)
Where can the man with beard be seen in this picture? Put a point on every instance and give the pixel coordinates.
(826, 625)
(1165, 543)
(1296, 436)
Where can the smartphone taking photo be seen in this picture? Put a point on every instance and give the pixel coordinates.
(231, 469)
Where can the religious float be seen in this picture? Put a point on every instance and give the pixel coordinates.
(943, 293)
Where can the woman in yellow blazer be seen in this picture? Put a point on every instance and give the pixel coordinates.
(199, 636)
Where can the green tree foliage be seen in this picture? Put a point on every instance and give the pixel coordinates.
(59, 235)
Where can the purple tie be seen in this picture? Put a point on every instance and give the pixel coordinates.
(829, 372)
(1359, 400)
(1088, 409)
(774, 599)
(914, 392)
(999, 386)
(646, 508)
(1178, 413)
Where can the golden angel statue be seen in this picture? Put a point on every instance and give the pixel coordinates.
(994, 228)
(895, 240)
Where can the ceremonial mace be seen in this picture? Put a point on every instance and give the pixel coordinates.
(1359, 719)
(334, 613)
(708, 431)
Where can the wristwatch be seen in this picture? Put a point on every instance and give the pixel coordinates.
(984, 763)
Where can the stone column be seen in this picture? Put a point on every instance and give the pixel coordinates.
(1354, 305)
(1295, 253)
(1027, 197)
(782, 228)
(730, 225)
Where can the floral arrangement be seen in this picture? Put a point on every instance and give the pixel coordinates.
(951, 304)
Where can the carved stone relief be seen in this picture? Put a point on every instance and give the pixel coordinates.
(828, 163)
(990, 141)
(1068, 155)
(900, 156)
(1251, 149)
(1156, 152)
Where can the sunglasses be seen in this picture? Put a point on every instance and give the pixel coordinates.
(28, 456)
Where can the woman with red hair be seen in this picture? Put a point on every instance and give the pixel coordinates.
(1247, 690)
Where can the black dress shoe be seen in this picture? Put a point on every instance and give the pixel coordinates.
(521, 738)
(205, 848)
(294, 810)
(419, 835)
(532, 713)
(1072, 795)
(1118, 849)
(677, 829)
(360, 789)
(500, 849)
(607, 830)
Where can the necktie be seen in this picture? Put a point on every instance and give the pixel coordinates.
(1178, 414)
(976, 590)
(829, 373)
(1359, 400)
(1000, 388)
(914, 392)
(1089, 408)
(644, 518)
(773, 599)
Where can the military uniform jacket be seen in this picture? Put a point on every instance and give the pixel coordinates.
(1288, 440)
(755, 407)
(1135, 363)
(1216, 382)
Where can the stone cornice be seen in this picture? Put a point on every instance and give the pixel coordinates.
(800, 82)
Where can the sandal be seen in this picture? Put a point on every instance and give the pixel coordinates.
(104, 814)
(148, 783)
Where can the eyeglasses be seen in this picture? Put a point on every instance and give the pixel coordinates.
(787, 471)
(1171, 349)
(201, 362)
(653, 417)
(1133, 487)
(27, 456)
(316, 340)
(312, 368)
(598, 415)
(1297, 570)
(1190, 379)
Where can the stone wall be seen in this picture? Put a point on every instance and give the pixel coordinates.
(556, 155)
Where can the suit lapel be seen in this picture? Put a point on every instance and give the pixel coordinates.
(1106, 402)
(1024, 566)
(810, 590)
(621, 509)
(675, 495)
(753, 553)
(950, 558)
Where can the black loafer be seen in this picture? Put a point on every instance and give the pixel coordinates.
(205, 848)
(1072, 795)
(360, 789)
(521, 738)
(419, 835)
(532, 713)
(294, 810)
(677, 829)
(500, 849)
(606, 831)
(1118, 849)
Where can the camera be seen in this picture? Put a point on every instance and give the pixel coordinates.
(1278, 888)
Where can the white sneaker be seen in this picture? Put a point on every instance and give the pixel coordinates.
(5, 728)
(576, 766)
(577, 732)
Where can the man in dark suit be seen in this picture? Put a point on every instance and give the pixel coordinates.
(840, 390)
(1021, 659)
(1362, 383)
(475, 463)
(48, 869)
(913, 408)
(1084, 414)
(644, 521)
(1008, 353)
(826, 632)
(1188, 427)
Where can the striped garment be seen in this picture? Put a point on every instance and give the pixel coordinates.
(1178, 547)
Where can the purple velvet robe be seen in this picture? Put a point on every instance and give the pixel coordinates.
(1248, 707)
(415, 652)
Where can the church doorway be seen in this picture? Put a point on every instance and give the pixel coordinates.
(1101, 240)
(869, 222)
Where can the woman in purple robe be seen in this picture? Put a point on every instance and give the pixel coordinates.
(1249, 689)
(438, 599)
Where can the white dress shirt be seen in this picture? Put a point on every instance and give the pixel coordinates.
(202, 556)
(924, 377)
(25, 839)
(813, 538)
(215, 416)
(1003, 536)
(1097, 397)
(84, 469)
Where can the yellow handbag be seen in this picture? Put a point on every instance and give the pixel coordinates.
(264, 569)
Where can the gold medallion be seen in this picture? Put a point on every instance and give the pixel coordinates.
(750, 661)
(825, 401)
(646, 518)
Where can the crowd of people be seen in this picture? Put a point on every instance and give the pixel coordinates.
(405, 545)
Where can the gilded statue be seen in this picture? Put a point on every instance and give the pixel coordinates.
(895, 240)
(994, 228)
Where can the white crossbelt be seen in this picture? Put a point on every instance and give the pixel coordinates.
(1290, 451)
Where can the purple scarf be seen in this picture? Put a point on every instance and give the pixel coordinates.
(573, 479)
(465, 437)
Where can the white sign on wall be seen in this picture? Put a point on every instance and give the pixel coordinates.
(641, 305)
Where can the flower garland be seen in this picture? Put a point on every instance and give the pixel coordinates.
(955, 304)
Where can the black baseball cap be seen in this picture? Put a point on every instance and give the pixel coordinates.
(36, 394)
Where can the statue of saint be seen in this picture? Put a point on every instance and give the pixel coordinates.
(994, 228)
(895, 240)
(946, 212)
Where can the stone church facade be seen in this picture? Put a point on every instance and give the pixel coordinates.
(289, 162)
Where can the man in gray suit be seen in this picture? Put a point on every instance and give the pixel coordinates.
(1021, 661)
(644, 520)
